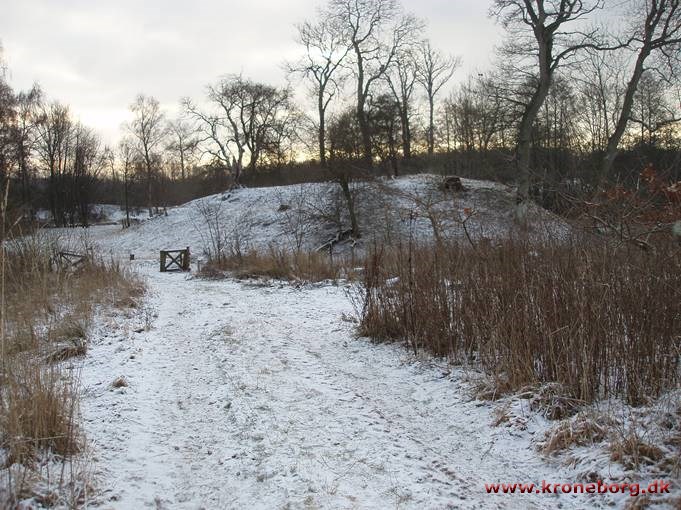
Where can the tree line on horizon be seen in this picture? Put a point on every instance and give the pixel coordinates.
(567, 99)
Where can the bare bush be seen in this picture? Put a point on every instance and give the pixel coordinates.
(223, 237)
(212, 229)
(298, 218)
(599, 320)
(281, 264)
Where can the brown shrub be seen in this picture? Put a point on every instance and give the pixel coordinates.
(597, 320)
(631, 451)
(279, 264)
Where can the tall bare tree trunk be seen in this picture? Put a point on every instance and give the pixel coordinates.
(525, 129)
(660, 33)
(149, 202)
(125, 197)
(431, 124)
(367, 150)
(406, 131)
(625, 114)
(347, 194)
(322, 129)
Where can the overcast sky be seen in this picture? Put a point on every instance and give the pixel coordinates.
(97, 55)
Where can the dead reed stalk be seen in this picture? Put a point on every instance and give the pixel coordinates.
(599, 321)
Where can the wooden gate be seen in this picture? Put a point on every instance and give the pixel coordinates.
(68, 260)
(175, 260)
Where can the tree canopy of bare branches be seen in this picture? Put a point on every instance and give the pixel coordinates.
(543, 35)
(149, 131)
(247, 119)
(376, 30)
(325, 51)
(657, 36)
(401, 79)
(433, 71)
(182, 144)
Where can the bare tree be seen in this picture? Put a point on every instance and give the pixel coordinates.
(248, 118)
(126, 155)
(54, 129)
(217, 132)
(601, 88)
(345, 149)
(384, 117)
(148, 129)
(183, 143)
(7, 126)
(657, 26)
(70, 154)
(433, 71)
(376, 30)
(28, 105)
(476, 115)
(109, 162)
(542, 39)
(85, 168)
(283, 135)
(401, 80)
(652, 111)
(325, 51)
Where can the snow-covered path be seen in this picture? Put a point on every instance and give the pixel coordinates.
(246, 396)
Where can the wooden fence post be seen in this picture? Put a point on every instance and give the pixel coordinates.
(186, 261)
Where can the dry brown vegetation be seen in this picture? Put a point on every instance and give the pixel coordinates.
(600, 320)
(281, 264)
(46, 315)
(586, 428)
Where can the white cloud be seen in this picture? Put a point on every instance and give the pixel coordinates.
(96, 55)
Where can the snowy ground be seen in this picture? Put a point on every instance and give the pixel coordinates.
(258, 396)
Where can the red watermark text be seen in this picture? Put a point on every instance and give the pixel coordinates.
(633, 489)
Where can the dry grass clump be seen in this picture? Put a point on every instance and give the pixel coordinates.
(551, 400)
(643, 440)
(632, 451)
(47, 303)
(77, 347)
(488, 387)
(597, 320)
(38, 409)
(69, 328)
(119, 382)
(279, 264)
(586, 428)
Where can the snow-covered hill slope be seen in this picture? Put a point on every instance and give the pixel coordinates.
(310, 214)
